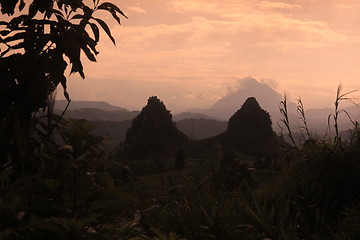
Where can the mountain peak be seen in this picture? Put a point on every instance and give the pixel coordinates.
(267, 97)
(152, 132)
(249, 130)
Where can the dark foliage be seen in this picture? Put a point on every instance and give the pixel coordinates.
(36, 46)
(233, 172)
(180, 158)
(32, 63)
(49, 190)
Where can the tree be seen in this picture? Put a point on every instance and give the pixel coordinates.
(60, 191)
(36, 45)
(79, 139)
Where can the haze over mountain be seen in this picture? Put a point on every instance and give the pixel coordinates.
(95, 114)
(61, 104)
(200, 128)
(190, 115)
(267, 97)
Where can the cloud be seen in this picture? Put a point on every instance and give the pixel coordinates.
(186, 6)
(234, 21)
(278, 5)
(197, 47)
(136, 9)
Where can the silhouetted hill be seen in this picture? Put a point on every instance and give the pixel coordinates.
(93, 114)
(152, 132)
(61, 104)
(201, 128)
(250, 131)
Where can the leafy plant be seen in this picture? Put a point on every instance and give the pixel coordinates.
(36, 45)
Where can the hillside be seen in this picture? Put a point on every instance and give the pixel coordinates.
(61, 104)
(114, 121)
(94, 114)
(114, 132)
(152, 132)
(250, 131)
(192, 115)
(201, 128)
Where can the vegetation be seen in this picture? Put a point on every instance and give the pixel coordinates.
(309, 191)
(56, 182)
(36, 44)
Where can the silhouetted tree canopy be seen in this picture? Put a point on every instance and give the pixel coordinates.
(38, 40)
(153, 130)
(38, 43)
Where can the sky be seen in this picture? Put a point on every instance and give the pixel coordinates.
(190, 53)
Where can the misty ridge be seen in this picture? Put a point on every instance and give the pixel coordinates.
(113, 121)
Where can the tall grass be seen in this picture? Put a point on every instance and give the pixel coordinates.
(340, 97)
(301, 111)
(285, 119)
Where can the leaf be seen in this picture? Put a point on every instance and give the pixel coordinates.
(32, 10)
(48, 13)
(78, 16)
(113, 13)
(4, 32)
(17, 36)
(106, 29)
(22, 5)
(18, 46)
(58, 13)
(95, 30)
(4, 52)
(84, 38)
(88, 53)
(109, 6)
(113, 9)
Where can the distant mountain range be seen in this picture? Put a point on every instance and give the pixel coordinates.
(112, 121)
(267, 97)
(95, 114)
(203, 123)
(75, 105)
(191, 115)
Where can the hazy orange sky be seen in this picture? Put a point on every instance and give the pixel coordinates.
(192, 52)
